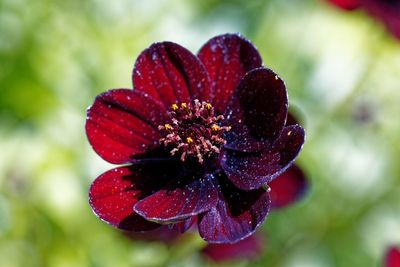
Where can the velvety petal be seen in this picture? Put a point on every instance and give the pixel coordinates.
(252, 170)
(123, 123)
(288, 187)
(240, 139)
(249, 248)
(392, 257)
(227, 59)
(171, 74)
(181, 199)
(258, 110)
(113, 194)
(347, 4)
(237, 215)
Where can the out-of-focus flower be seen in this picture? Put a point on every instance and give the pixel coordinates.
(202, 136)
(347, 4)
(249, 248)
(291, 186)
(386, 11)
(392, 257)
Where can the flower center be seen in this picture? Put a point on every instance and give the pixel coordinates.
(194, 131)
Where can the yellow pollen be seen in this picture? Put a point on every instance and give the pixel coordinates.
(189, 140)
(168, 127)
(183, 105)
(289, 133)
(208, 106)
(174, 107)
(215, 128)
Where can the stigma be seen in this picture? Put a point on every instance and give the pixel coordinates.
(194, 131)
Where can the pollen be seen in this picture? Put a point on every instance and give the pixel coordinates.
(215, 128)
(168, 127)
(193, 132)
(174, 107)
(289, 133)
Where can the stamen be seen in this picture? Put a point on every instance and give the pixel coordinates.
(194, 131)
(215, 128)
(168, 127)
(174, 107)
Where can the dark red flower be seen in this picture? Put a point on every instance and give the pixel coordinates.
(201, 136)
(392, 257)
(386, 11)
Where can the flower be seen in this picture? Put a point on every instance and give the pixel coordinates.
(386, 11)
(200, 136)
(392, 257)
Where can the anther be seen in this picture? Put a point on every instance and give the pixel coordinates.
(174, 107)
(168, 127)
(215, 128)
(189, 140)
(208, 106)
(184, 105)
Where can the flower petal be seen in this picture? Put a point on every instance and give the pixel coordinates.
(237, 215)
(181, 199)
(123, 123)
(249, 248)
(250, 171)
(287, 188)
(258, 110)
(227, 59)
(113, 194)
(392, 257)
(171, 74)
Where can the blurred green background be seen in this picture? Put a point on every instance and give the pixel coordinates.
(342, 71)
